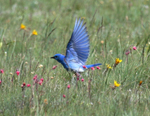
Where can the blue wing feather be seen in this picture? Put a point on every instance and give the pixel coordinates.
(79, 30)
(78, 46)
(81, 34)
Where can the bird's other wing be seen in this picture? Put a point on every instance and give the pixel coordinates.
(78, 46)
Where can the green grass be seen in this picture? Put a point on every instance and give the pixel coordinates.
(120, 24)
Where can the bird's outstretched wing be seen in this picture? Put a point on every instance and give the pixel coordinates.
(78, 46)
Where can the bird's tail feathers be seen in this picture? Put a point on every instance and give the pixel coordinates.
(93, 65)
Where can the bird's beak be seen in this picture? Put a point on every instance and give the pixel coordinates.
(53, 57)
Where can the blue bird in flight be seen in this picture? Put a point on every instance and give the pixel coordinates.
(77, 50)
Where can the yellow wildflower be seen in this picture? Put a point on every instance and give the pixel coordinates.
(45, 101)
(108, 66)
(34, 32)
(22, 26)
(118, 61)
(116, 84)
(140, 83)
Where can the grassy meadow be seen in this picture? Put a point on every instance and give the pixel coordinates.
(116, 28)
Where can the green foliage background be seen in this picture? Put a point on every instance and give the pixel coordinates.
(120, 24)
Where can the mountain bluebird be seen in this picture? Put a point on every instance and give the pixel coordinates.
(77, 50)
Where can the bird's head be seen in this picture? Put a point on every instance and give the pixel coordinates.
(58, 57)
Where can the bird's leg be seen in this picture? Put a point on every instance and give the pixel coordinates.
(78, 77)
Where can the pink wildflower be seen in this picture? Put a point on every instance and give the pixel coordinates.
(82, 79)
(98, 67)
(36, 80)
(28, 85)
(2, 71)
(0, 81)
(68, 86)
(40, 82)
(35, 77)
(134, 48)
(127, 52)
(92, 68)
(84, 66)
(17, 72)
(77, 78)
(24, 84)
(42, 79)
(64, 96)
(55, 66)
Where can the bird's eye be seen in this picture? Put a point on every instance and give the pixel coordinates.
(55, 56)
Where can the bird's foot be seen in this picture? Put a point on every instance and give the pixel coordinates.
(77, 75)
